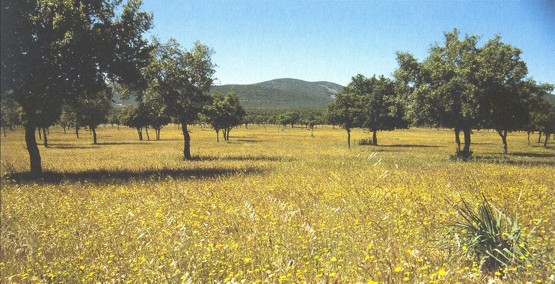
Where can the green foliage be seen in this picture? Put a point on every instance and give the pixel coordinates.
(93, 110)
(502, 82)
(370, 103)
(345, 111)
(182, 80)
(113, 116)
(463, 86)
(224, 113)
(491, 237)
(135, 117)
(10, 112)
(541, 111)
(54, 52)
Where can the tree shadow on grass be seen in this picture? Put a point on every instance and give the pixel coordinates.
(123, 176)
(248, 140)
(520, 159)
(124, 143)
(93, 146)
(409, 146)
(533, 155)
(71, 146)
(245, 158)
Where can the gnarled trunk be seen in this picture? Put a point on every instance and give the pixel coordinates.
(348, 137)
(466, 153)
(458, 140)
(228, 130)
(157, 130)
(140, 133)
(33, 149)
(186, 141)
(45, 137)
(93, 129)
(503, 134)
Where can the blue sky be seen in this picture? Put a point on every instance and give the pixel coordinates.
(319, 40)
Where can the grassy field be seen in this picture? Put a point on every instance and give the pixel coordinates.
(270, 206)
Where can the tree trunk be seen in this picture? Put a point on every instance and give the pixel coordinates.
(77, 131)
(140, 133)
(65, 130)
(218, 135)
(40, 134)
(547, 134)
(466, 153)
(227, 134)
(93, 129)
(349, 138)
(503, 134)
(539, 137)
(157, 133)
(374, 137)
(528, 132)
(45, 137)
(33, 149)
(458, 140)
(186, 141)
(312, 132)
(147, 136)
(4, 129)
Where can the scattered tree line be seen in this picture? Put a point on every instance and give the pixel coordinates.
(62, 62)
(459, 85)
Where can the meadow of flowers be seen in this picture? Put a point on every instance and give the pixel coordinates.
(271, 205)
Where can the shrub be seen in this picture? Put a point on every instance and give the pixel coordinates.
(491, 237)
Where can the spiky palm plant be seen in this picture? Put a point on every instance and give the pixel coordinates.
(492, 237)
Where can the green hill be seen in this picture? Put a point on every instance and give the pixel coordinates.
(283, 94)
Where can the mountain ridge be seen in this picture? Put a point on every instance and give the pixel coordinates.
(283, 93)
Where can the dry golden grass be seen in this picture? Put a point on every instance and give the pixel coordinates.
(269, 206)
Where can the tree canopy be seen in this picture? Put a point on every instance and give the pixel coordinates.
(463, 86)
(370, 103)
(182, 79)
(55, 51)
(224, 113)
